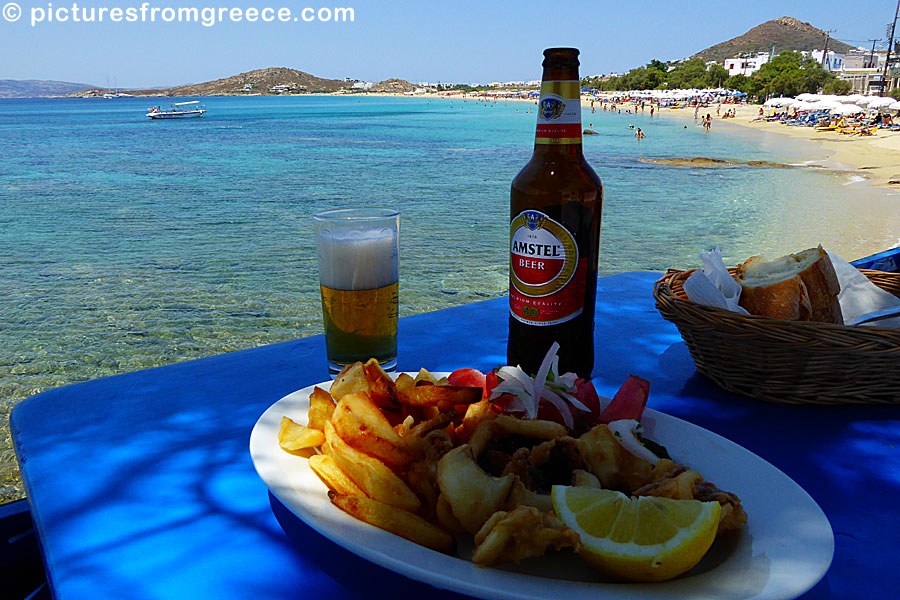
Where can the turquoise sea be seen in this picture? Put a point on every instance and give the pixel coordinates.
(127, 243)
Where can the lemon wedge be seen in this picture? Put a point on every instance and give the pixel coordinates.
(637, 539)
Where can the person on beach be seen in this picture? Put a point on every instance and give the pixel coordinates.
(708, 123)
(639, 134)
(651, 109)
(696, 111)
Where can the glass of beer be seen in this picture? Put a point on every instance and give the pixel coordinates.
(359, 260)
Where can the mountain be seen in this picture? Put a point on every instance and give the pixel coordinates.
(785, 33)
(394, 86)
(259, 81)
(33, 88)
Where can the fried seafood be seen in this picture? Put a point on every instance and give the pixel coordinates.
(473, 495)
(524, 532)
(733, 516)
(430, 460)
(671, 480)
(615, 467)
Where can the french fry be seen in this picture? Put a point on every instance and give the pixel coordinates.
(335, 479)
(404, 381)
(371, 475)
(444, 397)
(425, 376)
(292, 436)
(360, 423)
(475, 414)
(395, 520)
(381, 390)
(321, 405)
(367, 378)
(350, 380)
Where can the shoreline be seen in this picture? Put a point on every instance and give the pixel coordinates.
(875, 158)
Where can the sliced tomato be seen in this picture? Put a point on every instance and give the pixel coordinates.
(629, 402)
(467, 378)
(490, 382)
(587, 395)
(583, 421)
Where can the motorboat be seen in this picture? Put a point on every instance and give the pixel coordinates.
(178, 110)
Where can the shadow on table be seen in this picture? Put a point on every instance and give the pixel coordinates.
(361, 578)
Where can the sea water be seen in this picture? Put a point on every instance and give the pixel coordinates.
(127, 243)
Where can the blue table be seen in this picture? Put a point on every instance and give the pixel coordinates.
(141, 485)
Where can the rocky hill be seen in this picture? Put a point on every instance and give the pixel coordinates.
(394, 86)
(271, 81)
(33, 88)
(785, 33)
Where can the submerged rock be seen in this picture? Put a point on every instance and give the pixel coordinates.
(713, 162)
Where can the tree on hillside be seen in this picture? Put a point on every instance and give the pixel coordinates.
(789, 74)
(716, 75)
(838, 87)
(738, 82)
(689, 74)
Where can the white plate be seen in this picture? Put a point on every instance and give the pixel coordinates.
(786, 548)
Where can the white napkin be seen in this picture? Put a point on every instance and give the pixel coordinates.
(713, 285)
(859, 296)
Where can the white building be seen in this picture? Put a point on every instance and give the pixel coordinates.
(864, 70)
(746, 65)
(363, 85)
(830, 62)
(861, 58)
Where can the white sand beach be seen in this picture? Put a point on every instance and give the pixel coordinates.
(875, 157)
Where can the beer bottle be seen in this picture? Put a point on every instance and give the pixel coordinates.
(555, 211)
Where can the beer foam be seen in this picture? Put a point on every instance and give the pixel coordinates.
(358, 260)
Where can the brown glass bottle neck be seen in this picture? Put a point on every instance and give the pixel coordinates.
(562, 151)
(560, 74)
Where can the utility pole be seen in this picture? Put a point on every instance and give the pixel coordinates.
(825, 51)
(871, 62)
(887, 59)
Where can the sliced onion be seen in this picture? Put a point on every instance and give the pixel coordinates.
(560, 405)
(515, 374)
(624, 432)
(541, 378)
(568, 380)
(573, 400)
(521, 398)
(515, 404)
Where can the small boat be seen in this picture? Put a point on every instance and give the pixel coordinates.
(179, 110)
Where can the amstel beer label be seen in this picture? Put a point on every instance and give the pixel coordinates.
(547, 276)
(559, 113)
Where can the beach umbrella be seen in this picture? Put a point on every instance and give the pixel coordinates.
(894, 106)
(801, 105)
(878, 102)
(807, 97)
(848, 109)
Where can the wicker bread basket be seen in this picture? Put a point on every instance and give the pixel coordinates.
(787, 361)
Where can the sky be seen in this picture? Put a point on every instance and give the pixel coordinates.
(418, 40)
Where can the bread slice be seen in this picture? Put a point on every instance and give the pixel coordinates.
(797, 287)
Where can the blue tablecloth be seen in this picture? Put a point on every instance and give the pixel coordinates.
(141, 485)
